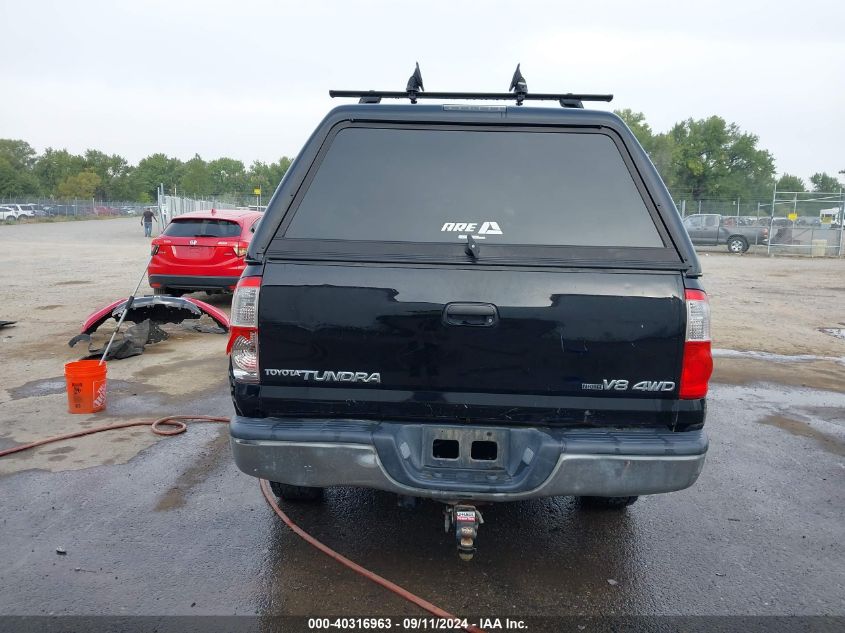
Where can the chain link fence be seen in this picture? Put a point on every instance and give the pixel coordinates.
(35, 208)
(788, 223)
(807, 224)
(171, 206)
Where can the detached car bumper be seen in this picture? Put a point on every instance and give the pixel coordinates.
(462, 463)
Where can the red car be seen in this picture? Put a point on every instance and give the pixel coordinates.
(203, 250)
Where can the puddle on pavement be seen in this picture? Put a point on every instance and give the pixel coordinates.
(826, 442)
(804, 412)
(775, 358)
(194, 475)
(777, 397)
(51, 386)
(823, 375)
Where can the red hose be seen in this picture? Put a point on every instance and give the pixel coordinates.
(366, 573)
(179, 426)
(170, 420)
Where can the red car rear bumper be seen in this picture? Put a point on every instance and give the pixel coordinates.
(191, 282)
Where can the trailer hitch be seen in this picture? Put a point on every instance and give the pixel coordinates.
(466, 520)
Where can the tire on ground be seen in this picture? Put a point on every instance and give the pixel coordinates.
(296, 493)
(737, 244)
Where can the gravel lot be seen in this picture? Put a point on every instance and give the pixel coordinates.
(52, 276)
(776, 304)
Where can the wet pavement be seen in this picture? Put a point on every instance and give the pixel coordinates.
(179, 531)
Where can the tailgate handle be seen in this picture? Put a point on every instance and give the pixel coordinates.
(472, 314)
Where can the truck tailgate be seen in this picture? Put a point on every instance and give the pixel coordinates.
(472, 343)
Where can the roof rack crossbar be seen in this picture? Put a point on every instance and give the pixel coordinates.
(485, 96)
(518, 91)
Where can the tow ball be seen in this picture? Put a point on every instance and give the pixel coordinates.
(466, 520)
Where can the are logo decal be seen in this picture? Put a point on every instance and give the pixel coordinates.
(487, 227)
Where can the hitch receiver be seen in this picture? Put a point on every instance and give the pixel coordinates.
(466, 520)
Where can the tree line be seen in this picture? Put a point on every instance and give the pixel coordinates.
(712, 159)
(59, 174)
(697, 159)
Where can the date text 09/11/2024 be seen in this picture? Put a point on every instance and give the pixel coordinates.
(416, 624)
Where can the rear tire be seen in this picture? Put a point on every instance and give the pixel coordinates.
(607, 503)
(737, 245)
(296, 493)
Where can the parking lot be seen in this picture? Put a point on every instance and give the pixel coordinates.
(157, 526)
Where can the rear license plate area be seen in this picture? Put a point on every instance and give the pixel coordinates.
(193, 252)
(478, 449)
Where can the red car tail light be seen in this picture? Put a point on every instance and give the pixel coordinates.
(698, 360)
(240, 249)
(154, 249)
(243, 330)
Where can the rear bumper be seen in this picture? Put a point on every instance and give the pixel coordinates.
(531, 462)
(188, 282)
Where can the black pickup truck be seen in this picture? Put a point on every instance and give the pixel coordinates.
(471, 303)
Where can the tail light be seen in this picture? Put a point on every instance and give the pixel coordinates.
(154, 249)
(698, 359)
(240, 249)
(243, 330)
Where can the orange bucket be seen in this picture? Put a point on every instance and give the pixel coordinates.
(86, 386)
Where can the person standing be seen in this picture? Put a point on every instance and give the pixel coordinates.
(147, 218)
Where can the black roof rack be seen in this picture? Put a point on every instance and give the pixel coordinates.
(519, 88)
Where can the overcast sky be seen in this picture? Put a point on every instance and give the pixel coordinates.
(250, 79)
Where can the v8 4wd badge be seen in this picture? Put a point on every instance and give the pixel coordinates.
(625, 385)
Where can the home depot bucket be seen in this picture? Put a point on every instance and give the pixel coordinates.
(86, 386)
